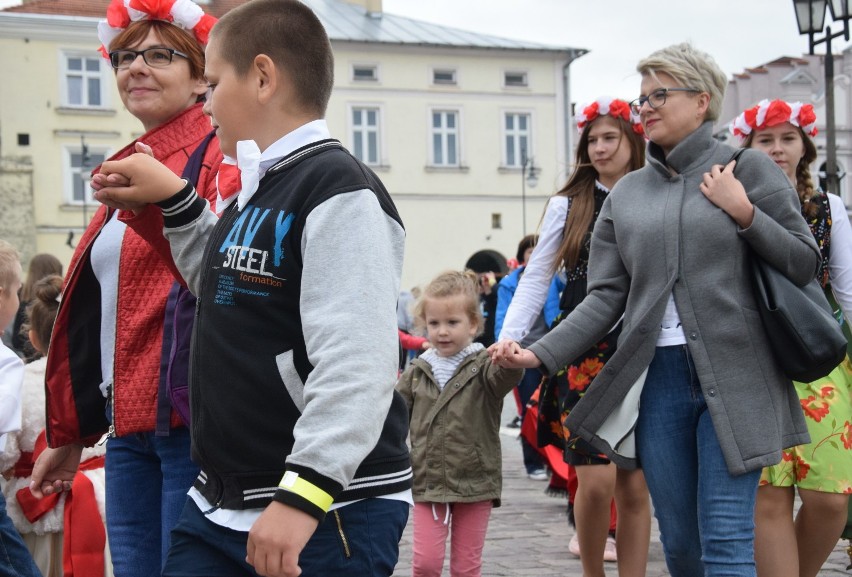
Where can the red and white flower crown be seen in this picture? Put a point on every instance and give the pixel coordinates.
(767, 114)
(184, 14)
(608, 106)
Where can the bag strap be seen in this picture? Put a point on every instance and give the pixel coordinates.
(191, 172)
(193, 165)
(736, 155)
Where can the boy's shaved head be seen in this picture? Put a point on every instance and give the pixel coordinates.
(291, 35)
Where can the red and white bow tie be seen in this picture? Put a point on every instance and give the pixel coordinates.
(238, 178)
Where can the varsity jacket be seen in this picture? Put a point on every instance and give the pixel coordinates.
(75, 406)
(295, 345)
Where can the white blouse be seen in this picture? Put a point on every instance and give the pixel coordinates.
(840, 256)
(533, 287)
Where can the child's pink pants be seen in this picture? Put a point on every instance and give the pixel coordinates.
(433, 522)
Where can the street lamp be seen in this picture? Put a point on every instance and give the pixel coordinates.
(529, 175)
(810, 16)
(84, 163)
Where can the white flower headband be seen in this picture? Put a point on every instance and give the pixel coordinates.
(184, 14)
(608, 106)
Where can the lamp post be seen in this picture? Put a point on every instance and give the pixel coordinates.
(810, 16)
(84, 163)
(529, 175)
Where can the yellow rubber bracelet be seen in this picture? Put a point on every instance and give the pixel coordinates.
(293, 483)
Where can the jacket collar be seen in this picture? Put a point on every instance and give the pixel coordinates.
(690, 152)
(170, 137)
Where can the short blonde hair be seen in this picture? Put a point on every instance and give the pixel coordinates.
(450, 284)
(10, 265)
(691, 68)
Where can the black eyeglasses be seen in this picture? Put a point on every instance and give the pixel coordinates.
(657, 98)
(153, 57)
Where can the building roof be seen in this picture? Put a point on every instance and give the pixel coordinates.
(344, 22)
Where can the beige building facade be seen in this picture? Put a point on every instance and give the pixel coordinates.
(445, 117)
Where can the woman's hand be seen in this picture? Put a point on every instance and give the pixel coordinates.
(722, 188)
(510, 355)
(54, 470)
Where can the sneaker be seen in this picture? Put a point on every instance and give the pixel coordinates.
(538, 475)
(609, 550)
(574, 546)
(514, 423)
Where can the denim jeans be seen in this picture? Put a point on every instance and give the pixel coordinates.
(147, 479)
(372, 529)
(15, 558)
(706, 515)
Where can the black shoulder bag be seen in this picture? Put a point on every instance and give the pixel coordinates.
(806, 339)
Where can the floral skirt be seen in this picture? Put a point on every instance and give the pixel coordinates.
(824, 464)
(560, 393)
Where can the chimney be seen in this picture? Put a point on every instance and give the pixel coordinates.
(373, 7)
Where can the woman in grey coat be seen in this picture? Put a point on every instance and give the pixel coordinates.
(693, 391)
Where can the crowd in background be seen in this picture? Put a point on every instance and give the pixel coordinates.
(626, 332)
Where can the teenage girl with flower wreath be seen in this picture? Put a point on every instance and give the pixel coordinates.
(107, 360)
(611, 145)
(821, 469)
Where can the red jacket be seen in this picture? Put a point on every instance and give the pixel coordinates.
(75, 406)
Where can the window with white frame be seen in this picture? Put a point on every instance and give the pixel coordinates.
(83, 80)
(78, 170)
(365, 134)
(516, 134)
(365, 73)
(515, 78)
(445, 138)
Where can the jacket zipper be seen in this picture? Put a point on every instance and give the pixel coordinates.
(72, 274)
(111, 404)
(195, 355)
(346, 552)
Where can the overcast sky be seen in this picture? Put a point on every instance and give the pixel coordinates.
(618, 33)
(739, 34)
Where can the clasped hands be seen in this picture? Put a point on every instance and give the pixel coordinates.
(510, 355)
(135, 181)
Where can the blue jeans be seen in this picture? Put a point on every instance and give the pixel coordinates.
(15, 558)
(372, 528)
(706, 515)
(147, 478)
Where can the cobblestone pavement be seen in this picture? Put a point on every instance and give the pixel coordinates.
(529, 534)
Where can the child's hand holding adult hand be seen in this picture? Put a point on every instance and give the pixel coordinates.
(509, 355)
(135, 181)
(277, 538)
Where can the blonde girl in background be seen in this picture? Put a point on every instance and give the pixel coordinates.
(822, 469)
(611, 145)
(455, 397)
(42, 526)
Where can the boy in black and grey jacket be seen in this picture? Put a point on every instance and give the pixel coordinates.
(295, 345)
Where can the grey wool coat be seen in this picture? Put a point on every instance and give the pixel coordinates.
(657, 234)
